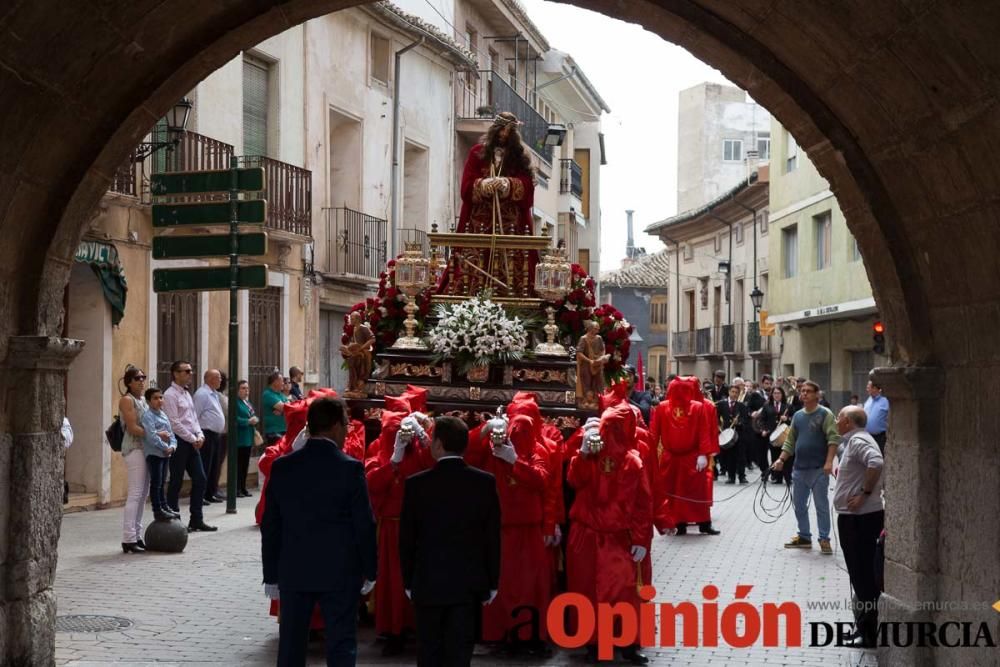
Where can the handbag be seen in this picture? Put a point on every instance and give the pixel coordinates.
(258, 439)
(115, 434)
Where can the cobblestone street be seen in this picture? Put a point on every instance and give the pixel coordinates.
(206, 605)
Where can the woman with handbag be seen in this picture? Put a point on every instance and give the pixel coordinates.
(131, 408)
(247, 436)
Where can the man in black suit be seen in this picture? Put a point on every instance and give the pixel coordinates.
(733, 414)
(318, 539)
(449, 547)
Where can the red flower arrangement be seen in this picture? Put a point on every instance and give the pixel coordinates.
(578, 305)
(385, 312)
(615, 330)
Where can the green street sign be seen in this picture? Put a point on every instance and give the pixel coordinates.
(253, 212)
(207, 279)
(216, 245)
(190, 182)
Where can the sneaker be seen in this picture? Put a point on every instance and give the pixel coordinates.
(825, 548)
(798, 543)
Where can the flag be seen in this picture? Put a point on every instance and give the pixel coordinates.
(641, 382)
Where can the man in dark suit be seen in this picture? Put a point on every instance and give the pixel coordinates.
(449, 547)
(318, 539)
(733, 414)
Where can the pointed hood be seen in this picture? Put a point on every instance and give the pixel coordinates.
(398, 404)
(618, 430)
(416, 397)
(522, 435)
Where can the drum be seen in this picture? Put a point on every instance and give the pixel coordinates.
(778, 435)
(728, 438)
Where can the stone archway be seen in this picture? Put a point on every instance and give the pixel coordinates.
(895, 103)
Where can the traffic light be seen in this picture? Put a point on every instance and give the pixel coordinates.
(878, 338)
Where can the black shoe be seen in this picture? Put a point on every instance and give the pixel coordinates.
(633, 655)
(139, 543)
(131, 548)
(682, 529)
(743, 480)
(200, 525)
(247, 494)
(164, 515)
(242, 494)
(219, 498)
(175, 510)
(208, 501)
(730, 481)
(706, 529)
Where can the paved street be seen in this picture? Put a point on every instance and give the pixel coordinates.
(206, 606)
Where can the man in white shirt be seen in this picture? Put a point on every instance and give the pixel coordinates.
(212, 420)
(860, 517)
(179, 406)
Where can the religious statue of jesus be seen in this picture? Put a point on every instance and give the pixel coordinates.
(498, 192)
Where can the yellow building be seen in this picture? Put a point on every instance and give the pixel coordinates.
(819, 296)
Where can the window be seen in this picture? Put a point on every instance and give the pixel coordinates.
(583, 258)
(688, 252)
(790, 251)
(658, 364)
(718, 242)
(379, 59)
(762, 221)
(823, 224)
(855, 250)
(256, 103)
(494, 61)
(732, 150)
(738, 229)
(763, 148)
(658, 312)
(791, 152)
(472, 38)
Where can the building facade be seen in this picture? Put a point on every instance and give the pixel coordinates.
(720, 255)
(639, 289)
(820, 300)
(722, 135)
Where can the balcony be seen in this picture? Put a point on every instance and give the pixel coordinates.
(703, 342)
(571, 178)
(288, 191)
(125, 181)
(683, 344)
(757, 344)
(732, 340)
(481, 99)
(355, 245)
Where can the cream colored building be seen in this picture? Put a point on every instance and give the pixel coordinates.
(719, 255)
(820, 299)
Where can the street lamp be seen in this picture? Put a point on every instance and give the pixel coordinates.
(757, 298)
(555, 134)
(724, 266)
(176, 120)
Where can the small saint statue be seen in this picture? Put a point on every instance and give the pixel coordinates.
(590, 361)
(358, 354)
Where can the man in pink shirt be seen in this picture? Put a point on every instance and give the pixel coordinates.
(179, 406)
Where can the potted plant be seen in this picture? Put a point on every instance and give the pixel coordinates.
(475, 333)
(486, 111)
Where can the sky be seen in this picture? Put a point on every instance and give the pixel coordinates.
(640, 133)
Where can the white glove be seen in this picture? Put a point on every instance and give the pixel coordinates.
(505, 453)
(367, 587)
(409, 593)
(271, 591)
(420, 418)
(638, 552)
(587, 433)
(300, 439)
(555, 538)
(592, 422)
(398, 450)
(702, 463)
(491, 598)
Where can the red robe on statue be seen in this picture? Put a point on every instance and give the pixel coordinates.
(386, 482)
(680, 434)
(611, 514)
(524, 574)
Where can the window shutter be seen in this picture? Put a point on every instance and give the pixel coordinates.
(255, 102)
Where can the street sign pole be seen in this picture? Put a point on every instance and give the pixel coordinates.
(234, 333)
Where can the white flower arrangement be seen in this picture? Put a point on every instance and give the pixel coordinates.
(477, 332)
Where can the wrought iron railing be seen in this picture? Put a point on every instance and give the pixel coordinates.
(356, 243)
(125, 181)
(489, 94)
(570, 177)
(288, 190)
(683, 343)
(703, 341)
(193, 152)
(757, 344)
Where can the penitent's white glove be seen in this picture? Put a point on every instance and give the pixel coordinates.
(505, 453)
(300, 439)
(419, 419)
(638, 552)
(585, 447)
(491, 598)
(271, 591)
(702, 463)
(555, 538)
(398, 450)
(367, 587)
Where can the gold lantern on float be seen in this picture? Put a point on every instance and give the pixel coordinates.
(553, 277)
(413, 274)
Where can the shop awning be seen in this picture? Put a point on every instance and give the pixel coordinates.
(103, 259)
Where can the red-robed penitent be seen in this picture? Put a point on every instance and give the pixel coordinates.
(524, 572)
(386, 483)
(610, 515)
(680, 434)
